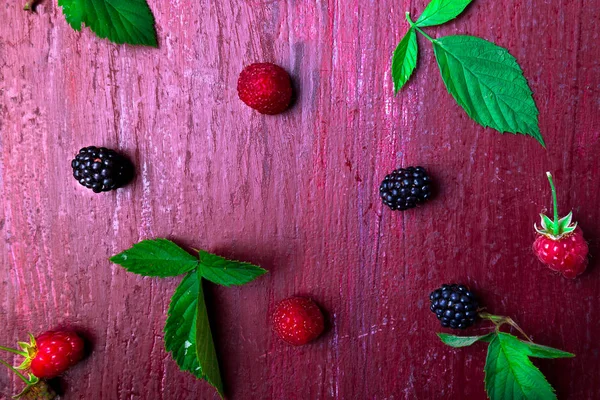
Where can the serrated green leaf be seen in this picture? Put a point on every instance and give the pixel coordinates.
(120, 21)
(404, 60)
(187, 332)
(488, 84)
(226, 272)
(539, 351)
(205, 347)
(510, 374)
(464, 341)
(439, 12)
(158, 257)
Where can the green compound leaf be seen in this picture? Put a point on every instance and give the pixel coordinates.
(121, 21)
(226, 272)
(488, 84)
(404, 60)
(187, 332)
(158, 257)
(439, 12)
(510, 374)
(464, 341)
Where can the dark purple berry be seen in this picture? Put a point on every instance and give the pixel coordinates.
(454, 305)
(404, 188)
(101, 169)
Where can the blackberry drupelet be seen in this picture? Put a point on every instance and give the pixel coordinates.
(404, 188)
(455, 306)
(101, 169)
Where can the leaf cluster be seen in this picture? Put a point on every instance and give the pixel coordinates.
(187, 331)
(509, 372)
(483, 78)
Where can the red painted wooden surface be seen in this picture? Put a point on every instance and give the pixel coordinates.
(297, 193)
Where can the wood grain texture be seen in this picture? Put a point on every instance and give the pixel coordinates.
(295, 193)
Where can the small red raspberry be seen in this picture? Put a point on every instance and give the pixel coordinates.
(298, 320)
(265, 87)
(55, 352)
(567, 255)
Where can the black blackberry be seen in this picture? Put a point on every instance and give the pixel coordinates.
(101, 169)
(405, 188)
(455, 306)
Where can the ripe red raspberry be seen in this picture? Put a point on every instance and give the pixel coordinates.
(560, 244)
(54, 352)
(298, 320)
(567, 255)
(265, 87)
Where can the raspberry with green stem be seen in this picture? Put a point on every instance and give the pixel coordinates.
(560, 244)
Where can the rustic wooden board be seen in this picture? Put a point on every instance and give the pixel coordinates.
(296, 193)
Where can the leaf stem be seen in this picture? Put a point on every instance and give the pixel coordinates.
(414, 26)
(20, 375)
(554, 204)
(500, 320)
(14, 351)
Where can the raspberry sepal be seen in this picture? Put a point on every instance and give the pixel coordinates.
(556, 228)
(29, 352)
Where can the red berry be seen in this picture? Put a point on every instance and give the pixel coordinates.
(567, 255)
(265, 87)
(56, 351)
(298, 320)
(560, 244)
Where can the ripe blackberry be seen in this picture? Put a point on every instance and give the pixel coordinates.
(455, 306)
(101, 169)
(404, 188)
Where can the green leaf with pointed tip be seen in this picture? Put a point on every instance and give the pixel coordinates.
(158, 257)
(510, 374)
(205, 347)
(404, 60)
(539, 351)
(464, 341)
(187, 332)
(120, 21)
(226, 272)
(486, 81)
(439, 12)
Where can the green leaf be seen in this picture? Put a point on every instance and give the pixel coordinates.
(121, 21)
(438, 12)
(539, 351)
(205, 347)
(510, 374)
(159, 257)
(227, 272)
(187, 332)
(488, 84)
(464, 341)
(404, 60)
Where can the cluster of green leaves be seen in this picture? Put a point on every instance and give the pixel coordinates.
(509, 372)
(484, 79)
(187, 331)
(120, 21)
